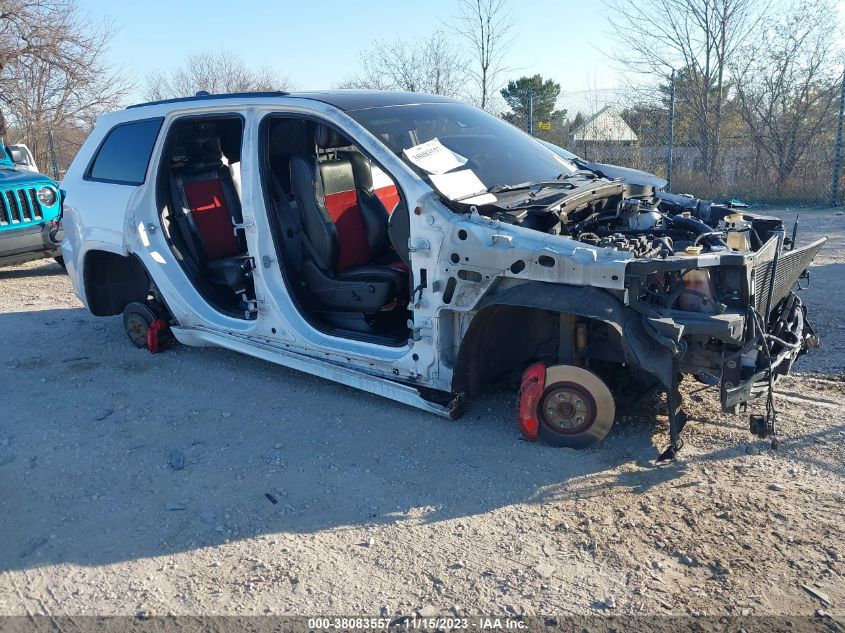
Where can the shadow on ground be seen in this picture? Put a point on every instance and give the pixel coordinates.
(109, 453)
(52, 270)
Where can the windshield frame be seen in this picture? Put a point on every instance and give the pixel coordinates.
(6, 158)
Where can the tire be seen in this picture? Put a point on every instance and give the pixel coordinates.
(576, 409)
(137, 318)
(60, 261)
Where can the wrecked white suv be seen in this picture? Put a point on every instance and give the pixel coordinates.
(423, 250)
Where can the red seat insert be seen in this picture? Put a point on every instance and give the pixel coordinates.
(354, 249)
(211, 216)
(389, 197)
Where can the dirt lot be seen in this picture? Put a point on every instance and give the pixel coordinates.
(199, 481)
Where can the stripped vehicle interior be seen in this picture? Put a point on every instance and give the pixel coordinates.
(200, 208)
(336, 230)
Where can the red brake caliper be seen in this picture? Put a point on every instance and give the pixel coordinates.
(154, 333)
(530, 390)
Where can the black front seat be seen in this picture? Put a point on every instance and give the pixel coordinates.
(344, 234)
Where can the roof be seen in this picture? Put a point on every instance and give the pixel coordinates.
(347, 100)
(605, 125)
(204, 96)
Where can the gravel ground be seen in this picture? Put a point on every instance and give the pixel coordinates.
(199, 481)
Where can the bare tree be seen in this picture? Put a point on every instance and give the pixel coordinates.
(432, 65)
(485, 25)
(698, 37)
(215, 72)
(52, 69)
(51, 30)
(43, 97)
(787, 82)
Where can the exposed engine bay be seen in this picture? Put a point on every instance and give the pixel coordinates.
(714, 283)
(632, 218)
(683, 232)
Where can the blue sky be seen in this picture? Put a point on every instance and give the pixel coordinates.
(316, 44)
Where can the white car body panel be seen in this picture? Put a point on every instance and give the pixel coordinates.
(124, 220)
(198, 337)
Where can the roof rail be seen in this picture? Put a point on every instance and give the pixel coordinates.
(204, 96)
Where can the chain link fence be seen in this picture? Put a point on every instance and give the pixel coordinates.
(643, 130)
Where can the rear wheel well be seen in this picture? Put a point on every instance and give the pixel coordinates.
(113, 281)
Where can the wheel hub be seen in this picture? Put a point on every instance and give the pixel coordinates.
(136, 328)
(567, 408)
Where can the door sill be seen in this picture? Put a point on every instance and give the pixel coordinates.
(350, 376)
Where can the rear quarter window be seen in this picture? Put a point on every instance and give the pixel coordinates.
(125, 153)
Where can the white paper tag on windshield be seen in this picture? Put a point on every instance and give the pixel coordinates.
(434, 157)
(459, 185)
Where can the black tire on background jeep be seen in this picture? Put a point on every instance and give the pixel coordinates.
(60, 261)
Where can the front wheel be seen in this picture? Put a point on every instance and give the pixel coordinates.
(60, 261)
(576, 409)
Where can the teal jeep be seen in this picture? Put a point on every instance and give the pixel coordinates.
(29, 205)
